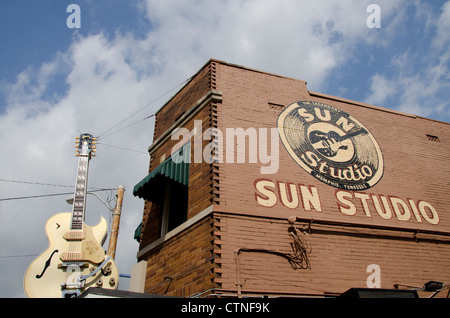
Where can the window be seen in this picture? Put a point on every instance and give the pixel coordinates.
(167, 188)
(175, 205)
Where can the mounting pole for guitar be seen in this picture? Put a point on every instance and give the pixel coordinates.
(116, 221)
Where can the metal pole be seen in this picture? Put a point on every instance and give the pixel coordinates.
(116, 222)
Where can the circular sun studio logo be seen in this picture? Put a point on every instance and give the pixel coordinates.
(331, 145)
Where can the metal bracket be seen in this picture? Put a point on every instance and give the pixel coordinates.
(83, 278)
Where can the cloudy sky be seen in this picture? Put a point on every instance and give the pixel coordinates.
(130, 56)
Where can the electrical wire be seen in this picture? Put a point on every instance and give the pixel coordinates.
(37, 183)
(103, 135)
(122, 148)
(14, 256)
(48, 195)
(114, 132)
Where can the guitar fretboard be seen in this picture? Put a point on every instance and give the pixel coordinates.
(359, 132)
(80, 194)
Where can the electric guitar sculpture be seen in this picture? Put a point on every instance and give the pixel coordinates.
(75, 259)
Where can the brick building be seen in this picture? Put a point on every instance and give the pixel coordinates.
(258, 186)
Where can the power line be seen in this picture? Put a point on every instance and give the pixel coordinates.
(102, 135)
(37, 183)
(114, 132)
(50, 184)
(13, 256)
(48, 195)
(122, 148)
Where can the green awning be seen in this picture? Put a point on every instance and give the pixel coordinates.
(175, 168)
(137, 232)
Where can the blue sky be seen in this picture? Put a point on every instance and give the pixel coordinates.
(34, 32)
(56, 82)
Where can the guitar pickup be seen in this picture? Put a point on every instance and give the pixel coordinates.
(74, 235)
(72, 257)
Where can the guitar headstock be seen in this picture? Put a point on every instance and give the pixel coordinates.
(85, 145)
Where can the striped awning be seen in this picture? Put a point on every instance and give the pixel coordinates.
(175, 168)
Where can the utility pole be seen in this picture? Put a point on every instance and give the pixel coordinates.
(116, 222)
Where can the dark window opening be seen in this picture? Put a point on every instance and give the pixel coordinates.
(176, 205)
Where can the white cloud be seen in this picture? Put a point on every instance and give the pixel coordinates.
(443, 27)
(381, 90)
(418, 76)
(411, 93)
(301, 39)
(38, 138)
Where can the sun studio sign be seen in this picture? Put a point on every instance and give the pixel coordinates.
(339, 151)
(331, 145)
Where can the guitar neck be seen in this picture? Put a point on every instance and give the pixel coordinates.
(79, 202)
(359, 132)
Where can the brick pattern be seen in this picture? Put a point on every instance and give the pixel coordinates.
(183, 265)
(200, 173)
(188, 258)
(183, 100)
(250, 99)
(339, 257)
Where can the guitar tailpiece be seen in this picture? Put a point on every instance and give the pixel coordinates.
(71, 294)
(74, 283)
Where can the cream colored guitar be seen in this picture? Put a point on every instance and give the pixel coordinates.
(75, 259)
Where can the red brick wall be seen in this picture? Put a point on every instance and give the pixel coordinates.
(183, 265)
(343, 246)
(338, 260)
(184, 99)
(188, 257)
(415, 167)
(199, 197)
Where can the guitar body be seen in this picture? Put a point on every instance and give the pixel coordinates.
(69, 255)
